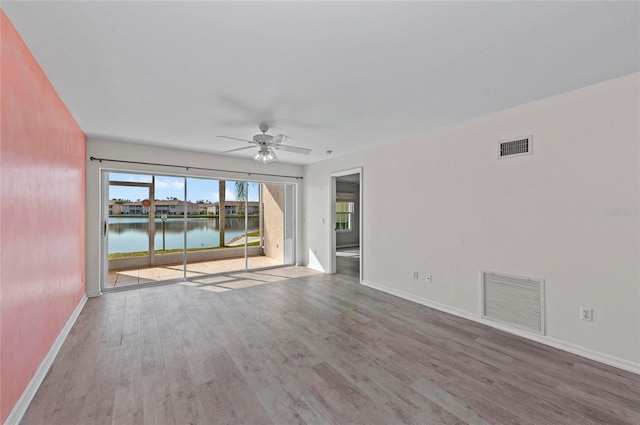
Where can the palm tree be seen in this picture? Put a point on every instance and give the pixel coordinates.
(241, 196)
(222, 186)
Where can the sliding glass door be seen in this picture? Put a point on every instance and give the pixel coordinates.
(172, 228)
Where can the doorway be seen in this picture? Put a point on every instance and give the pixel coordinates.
(346, 237)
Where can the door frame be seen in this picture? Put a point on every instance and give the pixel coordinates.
(332, 214)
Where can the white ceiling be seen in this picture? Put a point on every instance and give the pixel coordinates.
(337, 76)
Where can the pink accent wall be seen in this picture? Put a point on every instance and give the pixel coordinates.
(42, 216)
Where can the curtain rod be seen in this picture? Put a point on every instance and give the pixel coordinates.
(191, 168)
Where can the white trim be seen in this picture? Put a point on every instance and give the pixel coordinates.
(607, 359)
(332, 214)
(103, 247)
(331, 266)
(361, 223)
(92, 294)
(316, 267)
(29, 392)
(438, 306)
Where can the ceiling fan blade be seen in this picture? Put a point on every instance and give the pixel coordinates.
(238, 149)
(233, 138)
(279, 138)
(293, 149)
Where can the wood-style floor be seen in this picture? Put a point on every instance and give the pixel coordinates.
(294, 346)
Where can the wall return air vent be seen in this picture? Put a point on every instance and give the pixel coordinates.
(514, 301)
(516, 147)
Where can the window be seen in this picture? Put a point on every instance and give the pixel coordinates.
(344, 213)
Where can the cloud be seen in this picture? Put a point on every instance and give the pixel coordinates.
(171, 184)
(139, 179)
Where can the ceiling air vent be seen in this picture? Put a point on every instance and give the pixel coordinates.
(510, 148)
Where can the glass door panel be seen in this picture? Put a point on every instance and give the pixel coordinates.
(234, 226)
(215, 237)
(128, 247)
(203, 230)
(170, 227)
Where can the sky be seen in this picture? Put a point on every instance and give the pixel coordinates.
(170, 187)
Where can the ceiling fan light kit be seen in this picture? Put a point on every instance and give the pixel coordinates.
(266, 143)
(265, 155)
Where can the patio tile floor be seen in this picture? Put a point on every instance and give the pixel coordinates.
(197, 270)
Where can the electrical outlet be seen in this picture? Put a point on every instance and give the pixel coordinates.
(427, 278)
(586, 314)
(416, 275)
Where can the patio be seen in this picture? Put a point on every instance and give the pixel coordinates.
(195, 270)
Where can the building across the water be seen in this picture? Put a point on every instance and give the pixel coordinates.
(231, 207)
(174, 207)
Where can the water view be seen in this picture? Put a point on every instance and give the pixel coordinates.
(128, 234)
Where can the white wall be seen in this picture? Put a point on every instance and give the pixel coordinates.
(569, 213)
(102, 148)
(353, 237)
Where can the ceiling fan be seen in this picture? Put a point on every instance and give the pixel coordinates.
(266, 144)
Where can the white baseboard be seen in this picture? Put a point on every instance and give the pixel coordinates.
(92, 294)
(316, 267)
(29, 392)
(552, 342)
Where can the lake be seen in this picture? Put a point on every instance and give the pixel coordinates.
(128, 234)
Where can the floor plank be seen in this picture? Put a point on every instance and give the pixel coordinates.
(292, 346)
